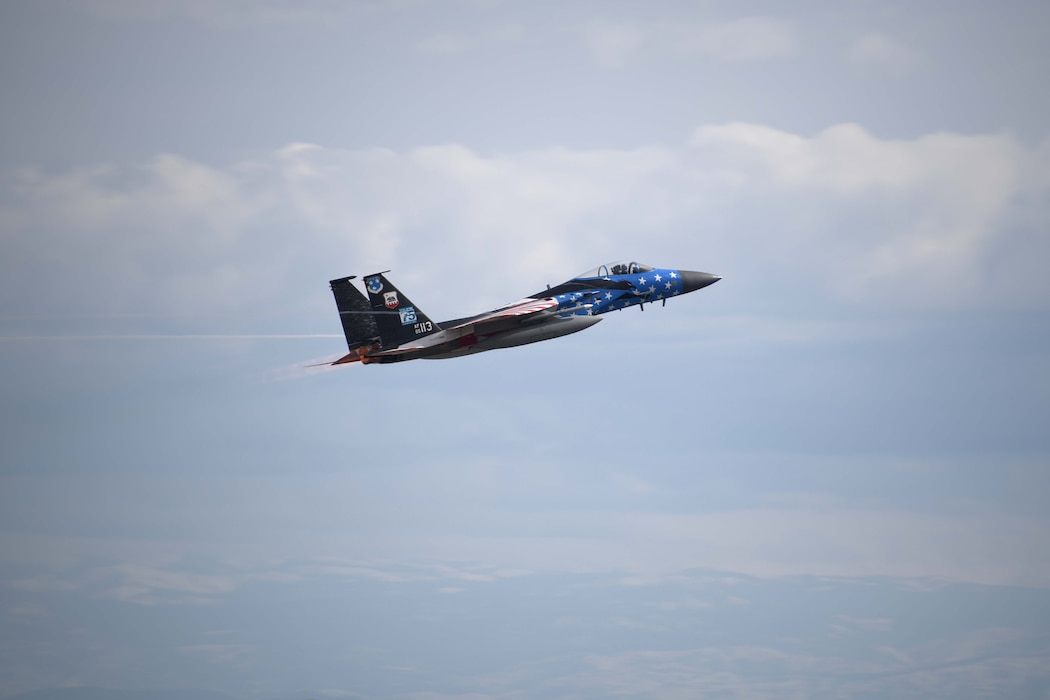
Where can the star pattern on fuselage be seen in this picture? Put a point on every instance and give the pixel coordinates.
(638, 291)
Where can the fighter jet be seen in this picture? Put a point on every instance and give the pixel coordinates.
(386, 326)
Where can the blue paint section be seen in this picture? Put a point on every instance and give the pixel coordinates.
(374, 284)
(645, 287)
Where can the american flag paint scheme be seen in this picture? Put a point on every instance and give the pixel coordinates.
(385, 326)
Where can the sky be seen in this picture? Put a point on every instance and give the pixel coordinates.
(825, 476)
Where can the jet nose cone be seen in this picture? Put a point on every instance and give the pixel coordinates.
(692, 281)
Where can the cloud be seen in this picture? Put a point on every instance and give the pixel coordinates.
(880, 51)
(148, 585)
(180, 584)
(30, 610)
(731, 41)
(869, 221)
(945, 667)
(773, 543)
(914, 217)
(747, 39)
(140, 584)
(446, 43)
(612, 44)
(220, 653)
(456, 42)
(223, 13)
(867, 624)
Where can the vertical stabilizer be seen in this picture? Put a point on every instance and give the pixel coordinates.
(398, 319)
(359, 325)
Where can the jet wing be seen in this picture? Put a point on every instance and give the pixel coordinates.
(517, 314)
(466, 331)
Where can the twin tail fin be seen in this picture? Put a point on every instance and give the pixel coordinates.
(386, 317)
(359, 325)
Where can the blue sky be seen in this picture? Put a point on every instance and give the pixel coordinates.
(824, 476)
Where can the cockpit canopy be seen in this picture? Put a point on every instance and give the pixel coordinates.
(623, 267)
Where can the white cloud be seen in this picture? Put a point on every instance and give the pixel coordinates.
(219, 653)
(880, 51)
(31, 610)
(870, 624)
(224, 12)
(867, 220)
(612, 44)
(730, 41)
(770, 543)
(747, 39)
(935, 665)
(455, 42)
(916, 215)
(446, 43)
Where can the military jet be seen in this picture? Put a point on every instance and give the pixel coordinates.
(387, 327)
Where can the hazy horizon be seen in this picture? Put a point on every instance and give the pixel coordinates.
(824, 476)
